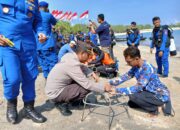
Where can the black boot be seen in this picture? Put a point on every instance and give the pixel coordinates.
(12, 114)
(63, 108)
(30, 113)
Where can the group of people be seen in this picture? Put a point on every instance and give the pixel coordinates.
(161, 40)
(69, 76)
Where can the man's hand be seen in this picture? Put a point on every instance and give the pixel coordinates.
(160, 53)
(133, 44)
(42, 37)
(107, 87)
(3, 41)
(151, 50)
(96, 78)
(94, 24)
(90, 25)
(113, 91)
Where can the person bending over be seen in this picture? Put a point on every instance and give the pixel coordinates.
(149, 92)
(68, 81)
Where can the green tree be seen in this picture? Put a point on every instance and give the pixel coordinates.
(66, 28)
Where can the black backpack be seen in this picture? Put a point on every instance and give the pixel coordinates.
(158, 41)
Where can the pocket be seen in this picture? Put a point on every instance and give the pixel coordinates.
(31, 13)
(7, 7)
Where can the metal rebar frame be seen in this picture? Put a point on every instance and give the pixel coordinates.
(109, 103)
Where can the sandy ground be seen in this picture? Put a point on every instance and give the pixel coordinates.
(138, 121)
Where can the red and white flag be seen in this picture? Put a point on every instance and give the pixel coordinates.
(56, 13)
(84, 15)
(73, 16)
(69, 16)
(64, 16)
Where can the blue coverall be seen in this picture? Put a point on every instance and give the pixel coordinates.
(46, 51)
(19, 20)
(133, 38)
(162, 62)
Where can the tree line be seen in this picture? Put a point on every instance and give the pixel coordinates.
(66, 28)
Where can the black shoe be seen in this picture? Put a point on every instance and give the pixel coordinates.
(164, 76)
(30, 113)
(78, 103)
(63, 108)
(11, 113)
(160, 73)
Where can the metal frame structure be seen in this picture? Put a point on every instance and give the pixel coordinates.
(109, 103)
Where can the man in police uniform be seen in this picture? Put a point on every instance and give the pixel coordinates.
(160, 41)
(46, 52)
(133, 35)
(19, 19)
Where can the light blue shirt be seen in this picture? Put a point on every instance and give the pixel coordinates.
(65, 49)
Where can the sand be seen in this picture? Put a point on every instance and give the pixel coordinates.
(139, 119)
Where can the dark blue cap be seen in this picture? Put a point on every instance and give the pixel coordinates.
(43, 4)
(133, 23)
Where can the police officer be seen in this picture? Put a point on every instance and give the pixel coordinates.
(160, 41)
(19, 19)
(47, 57)
(133, 35)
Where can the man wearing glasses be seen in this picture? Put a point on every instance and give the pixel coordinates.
(149, 92)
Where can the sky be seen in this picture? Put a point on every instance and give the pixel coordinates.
(122, 11)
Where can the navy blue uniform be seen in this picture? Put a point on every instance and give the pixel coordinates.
(133, 37)
(46, 51)
(19, 19)
(104, 34)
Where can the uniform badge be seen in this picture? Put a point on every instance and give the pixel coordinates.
(30, 14)
(5, 10)
(30, 8)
